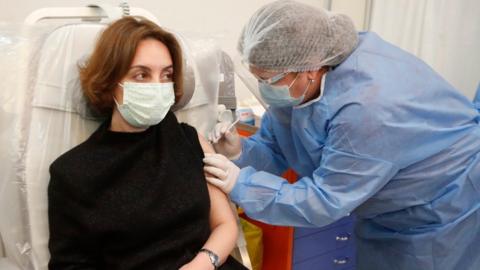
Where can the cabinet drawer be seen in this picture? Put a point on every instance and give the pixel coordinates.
(300, 232)
(340, 259)
(322, 242)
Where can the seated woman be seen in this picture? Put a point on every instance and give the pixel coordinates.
(133, 195)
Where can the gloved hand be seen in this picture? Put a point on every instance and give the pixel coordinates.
(226, 141)
(224, 172)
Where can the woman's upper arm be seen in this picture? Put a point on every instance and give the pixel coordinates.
(206, 146)
(220, 210)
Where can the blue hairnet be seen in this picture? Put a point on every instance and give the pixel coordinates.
(290, 36)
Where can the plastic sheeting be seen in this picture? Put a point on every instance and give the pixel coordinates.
(43, 114)
(15, 90)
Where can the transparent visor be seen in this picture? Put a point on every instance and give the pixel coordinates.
(272, 80)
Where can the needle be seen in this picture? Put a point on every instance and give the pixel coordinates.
(233, 124)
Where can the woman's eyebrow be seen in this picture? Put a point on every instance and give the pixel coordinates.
(168, 68)
(140, 67)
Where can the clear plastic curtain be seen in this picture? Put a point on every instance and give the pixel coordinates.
(444, 33)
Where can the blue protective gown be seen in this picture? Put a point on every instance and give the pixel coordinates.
(390, 141)
(476, 99)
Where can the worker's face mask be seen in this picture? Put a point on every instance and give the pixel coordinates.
(279, 96)
(145, 104)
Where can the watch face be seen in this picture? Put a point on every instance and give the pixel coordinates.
(214, 259)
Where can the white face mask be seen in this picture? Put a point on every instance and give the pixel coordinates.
(146, 104)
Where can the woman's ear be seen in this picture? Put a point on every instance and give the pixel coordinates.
(316, 74)
(311, 75)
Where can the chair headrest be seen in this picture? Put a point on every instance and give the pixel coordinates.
(57, 83)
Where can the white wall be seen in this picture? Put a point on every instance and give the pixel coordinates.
(444, 33)
(355, 9)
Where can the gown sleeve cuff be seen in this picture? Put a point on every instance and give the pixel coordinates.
(240, 186)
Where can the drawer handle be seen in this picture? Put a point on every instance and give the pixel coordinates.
(341, 261)
(343, 238)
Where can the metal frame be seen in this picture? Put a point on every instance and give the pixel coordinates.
(367, 18)
(92, 12)
(327, 4)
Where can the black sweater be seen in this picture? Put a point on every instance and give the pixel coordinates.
(129, 200)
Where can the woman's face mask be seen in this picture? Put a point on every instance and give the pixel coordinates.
(145, 104)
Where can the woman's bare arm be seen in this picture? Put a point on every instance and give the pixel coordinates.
(223, 224)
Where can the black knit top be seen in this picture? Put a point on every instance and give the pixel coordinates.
(129, 200)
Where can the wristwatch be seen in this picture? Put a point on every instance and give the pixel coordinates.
(212, 256)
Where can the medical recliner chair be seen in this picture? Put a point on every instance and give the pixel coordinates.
(44, 114)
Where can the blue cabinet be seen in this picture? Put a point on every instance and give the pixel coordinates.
(328, 248)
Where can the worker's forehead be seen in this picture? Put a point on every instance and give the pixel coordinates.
(263, 73)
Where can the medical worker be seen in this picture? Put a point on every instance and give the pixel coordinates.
(370, 129)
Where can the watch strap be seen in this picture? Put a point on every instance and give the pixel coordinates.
(214, 259)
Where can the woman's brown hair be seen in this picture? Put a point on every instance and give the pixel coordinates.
(113, 55)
